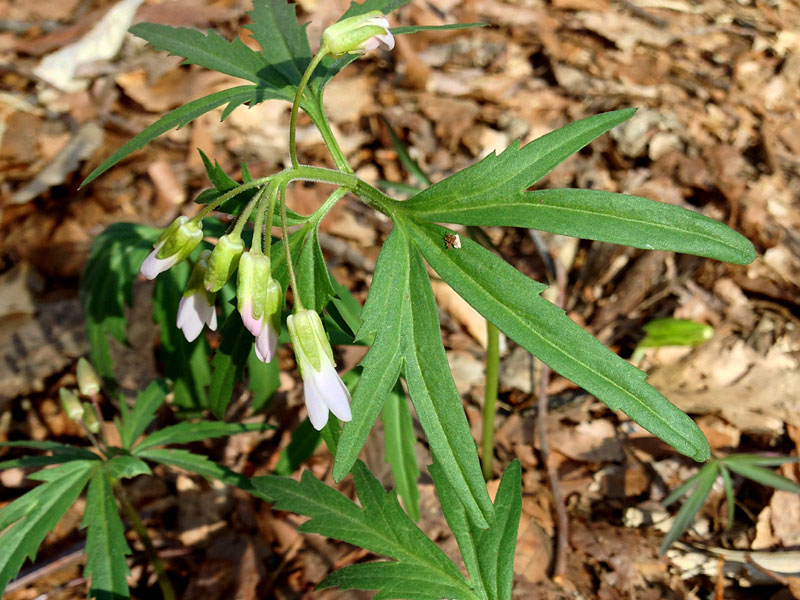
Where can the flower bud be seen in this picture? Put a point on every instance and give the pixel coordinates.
(223, 262)
(359, 34)
(196, 307)
(322, 387)
(251, 289)
(90, 418)
(88, 380)
(267, 340)
(174, 245)
(71, 404)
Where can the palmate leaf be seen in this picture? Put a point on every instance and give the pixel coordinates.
(107, 286)
(106, 547)
(61, 453)
(399, 440)
(25, 522)
(421, 569)
(135, 421)
(512, 301)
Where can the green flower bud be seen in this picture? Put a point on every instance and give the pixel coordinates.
(223, 262)
(88, 380)
(90, 418)
(310, 342)
(357, 35)
(251, 290)
(175, 244)
(71, 404)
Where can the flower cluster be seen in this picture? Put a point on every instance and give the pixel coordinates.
(259, 301)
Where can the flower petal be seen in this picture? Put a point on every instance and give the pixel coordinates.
(266, 343)
(335, 393)
(252, 324)
(315, 404)
(189, 319)
(152, 265)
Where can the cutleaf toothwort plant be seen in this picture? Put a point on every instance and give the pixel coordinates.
(399, 321)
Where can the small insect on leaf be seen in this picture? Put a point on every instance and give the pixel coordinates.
(452, 241)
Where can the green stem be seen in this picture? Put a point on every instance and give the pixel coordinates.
(245, 215)
(298, 303)
(272, 199)
(228, 195)
(296, 105)
(490, 398)
(326, 206)
(324, 127)
(152, 555)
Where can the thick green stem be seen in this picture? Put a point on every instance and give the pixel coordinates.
(298, 303)
(296, 105)
(152, 555)
(490, 398)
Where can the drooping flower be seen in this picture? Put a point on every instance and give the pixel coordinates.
(324, 390)
(196, 307)
(174, 245)
(223, 261)
(259, 301)
(359, 34)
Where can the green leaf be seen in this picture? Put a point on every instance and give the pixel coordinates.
(383, 318)
(728, 485)
(312, 274)
(512, 301)
(106, 547)
(687, 513)
(107, 286)
(599, 215)
(682, 489)
(499, 177)
(422, 570)
(27, 520)
(399, 440)
(305, 440)
(185, 433)
(186, 363)
(436, 400)
(416, 28)
(263, 381)
(217, 175)
(496, 545)
(675, 332)
(209, 50)
(760, 460)
(195, 463)
(278, 256)
(182, 116)
(61, 453)
(143, 413)
(228, 363)
(409, 164)
(764, 476)
(345, 309)
(125, 466)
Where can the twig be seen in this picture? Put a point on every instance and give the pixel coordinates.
(562, 521)
(638, 11)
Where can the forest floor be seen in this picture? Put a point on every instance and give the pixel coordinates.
(717, 88)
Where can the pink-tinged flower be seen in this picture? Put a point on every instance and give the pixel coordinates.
(324, 390)
(259, 299)
(196, 308)
(175, 243)
(359, 34)
(266, 342)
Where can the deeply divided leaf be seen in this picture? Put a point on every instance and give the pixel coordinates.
(399, 441)
(143, 413)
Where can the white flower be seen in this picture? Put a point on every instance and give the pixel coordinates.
(359, 34)
(266, 341)
(152, 266)
(175, 243)
(194, 311)
(324, 390)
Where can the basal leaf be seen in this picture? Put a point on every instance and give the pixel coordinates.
(380, 525)
(399, 441)
(512, 301)
(126, 466)
(184, 115)
(228, 363)
(690, 508)
(764, 476)
(186, 432)
(383, 319)
(727, 483)
(107, 286)
(27, 520)
(106, 547)
(436, 400)
(208, 50)
(143, 413)
(598, 215)
(498, 177)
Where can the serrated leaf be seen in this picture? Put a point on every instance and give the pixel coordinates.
(380, 525)
(143, 413)
(263, 380)
(305, 440)
(209, 50)
(498, 177)
(383, 362)
(312, 274)
(436, 400)
(398, 442)
(186, 363)
(448, 27)
(512, 301)
(107, 286)
(764, 476)
(106, 547)
(216, 174)
(125, 466)
(186, 433)
(690, 508)
(233, 97)
(195, 463)
(27, 520)
(61, 453)
(228, 363)
(496, 545)
(598, 215)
